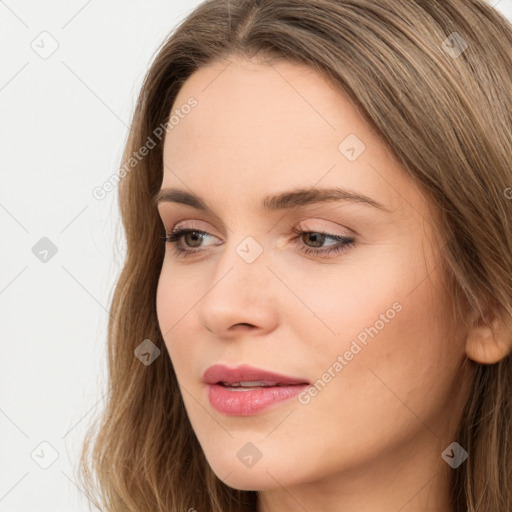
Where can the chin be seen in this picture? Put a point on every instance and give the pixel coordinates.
(248, 479)
(266, 473)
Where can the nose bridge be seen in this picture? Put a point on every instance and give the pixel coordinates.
(242, 264)
(240, 290)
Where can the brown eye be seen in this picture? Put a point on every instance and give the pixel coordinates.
(195, 237)
(192, 240)
(315, 238)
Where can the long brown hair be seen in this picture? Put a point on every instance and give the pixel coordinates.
(433, 78)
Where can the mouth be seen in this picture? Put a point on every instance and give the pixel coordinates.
(254, 384)
(245, 376)
(245, 390)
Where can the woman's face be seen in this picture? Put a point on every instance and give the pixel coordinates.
(368, 327)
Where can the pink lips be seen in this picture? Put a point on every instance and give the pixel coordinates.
(227, 396)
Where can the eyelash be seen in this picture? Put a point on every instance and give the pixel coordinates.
(344, 242)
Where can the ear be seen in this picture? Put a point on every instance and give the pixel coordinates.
(488, 344)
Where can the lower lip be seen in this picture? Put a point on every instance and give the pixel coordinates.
(252, 401)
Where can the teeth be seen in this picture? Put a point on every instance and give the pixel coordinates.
(250, 384)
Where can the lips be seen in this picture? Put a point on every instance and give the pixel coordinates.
(245, 391)
(248, 376)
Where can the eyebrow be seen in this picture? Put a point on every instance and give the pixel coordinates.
(281, 201)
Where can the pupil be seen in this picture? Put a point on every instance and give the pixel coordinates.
(196, 236)
(317, 238)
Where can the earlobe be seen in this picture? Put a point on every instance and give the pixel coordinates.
(489, 345)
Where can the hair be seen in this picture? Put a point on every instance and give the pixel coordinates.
(446, 117)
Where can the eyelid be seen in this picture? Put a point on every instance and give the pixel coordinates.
(190, 224)
(168, 211)
(305, 225)
(301, 224)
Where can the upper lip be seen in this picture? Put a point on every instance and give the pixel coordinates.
(245, 373)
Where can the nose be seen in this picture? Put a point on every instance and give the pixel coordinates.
(241, 297)
(237, 325)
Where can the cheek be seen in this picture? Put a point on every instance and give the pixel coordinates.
(385, 338)
(165, 304)
(177, 296)
(173, 302)
(359, 301)
(374, 298)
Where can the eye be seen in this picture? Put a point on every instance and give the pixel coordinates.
(318, 238)
(176, 236)
(342, 243)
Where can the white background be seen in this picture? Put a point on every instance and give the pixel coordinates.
(64, 120)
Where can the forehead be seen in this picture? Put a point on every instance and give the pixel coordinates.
(259, 128)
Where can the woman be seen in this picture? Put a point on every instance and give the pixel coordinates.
(315, 309)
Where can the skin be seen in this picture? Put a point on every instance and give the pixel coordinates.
(372, 438)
